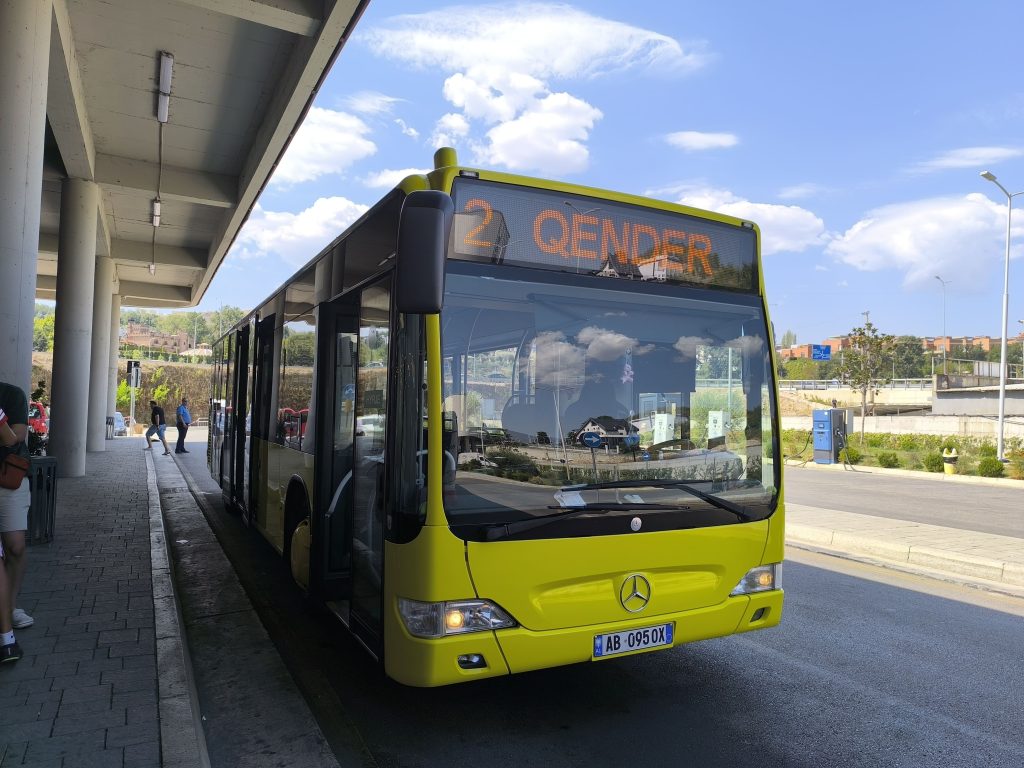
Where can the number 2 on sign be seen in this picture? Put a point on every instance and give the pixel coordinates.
(471, 237)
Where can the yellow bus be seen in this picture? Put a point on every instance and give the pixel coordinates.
(503, 424)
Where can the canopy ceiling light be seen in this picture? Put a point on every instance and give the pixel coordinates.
(163, 99)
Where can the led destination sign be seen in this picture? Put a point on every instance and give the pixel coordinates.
(509, 224)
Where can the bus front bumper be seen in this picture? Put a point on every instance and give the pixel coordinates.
(420, 662)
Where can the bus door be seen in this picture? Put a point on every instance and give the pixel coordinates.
(348, 532)
(263, 375)
(227, 420)
(240, 436)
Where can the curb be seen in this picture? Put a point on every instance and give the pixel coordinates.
(182, 741)
(993, 574)
(999, 482)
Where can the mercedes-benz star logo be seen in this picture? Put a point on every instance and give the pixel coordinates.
(635, 593)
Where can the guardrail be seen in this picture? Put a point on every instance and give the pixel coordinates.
(836, 384)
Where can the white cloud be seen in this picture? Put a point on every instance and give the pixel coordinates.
(295, 238)
(784, 228)
(951, 236)
(549, 136)
(969, 157)
(407, 129)
(449, 130)
(370, 103)
(389, 178)
(540, 39)
(326, 143)
(500, 59)
(696, 141)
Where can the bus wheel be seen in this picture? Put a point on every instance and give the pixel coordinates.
(298, 554)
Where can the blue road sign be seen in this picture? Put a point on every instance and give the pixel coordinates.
(591, 439)
(821, 352)
(645, 456)
(631, 440)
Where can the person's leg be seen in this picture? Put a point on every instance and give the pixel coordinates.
(9, 650)
(179, 447)
(149, 434)
(15, 561)
(5, 599)
(162, 432)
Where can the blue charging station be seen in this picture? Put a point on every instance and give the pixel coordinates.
(829, 435)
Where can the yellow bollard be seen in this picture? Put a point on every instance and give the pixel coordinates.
(949, 457)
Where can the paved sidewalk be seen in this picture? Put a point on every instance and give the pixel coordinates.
(86, 692)
(992, 560)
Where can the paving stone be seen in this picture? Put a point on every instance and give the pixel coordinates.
(133, 733)
(142, 755)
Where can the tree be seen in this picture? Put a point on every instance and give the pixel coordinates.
(867, 364)
(42, 332)
(788, 339)
(908, 356)
(802, 368)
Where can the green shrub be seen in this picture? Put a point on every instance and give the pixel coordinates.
(987, 450)
(990, 466)
(877, 440)
(888, 459)
(907, 443)
(951, 444)
(1016, 465)
(932, 462)
(850, 455)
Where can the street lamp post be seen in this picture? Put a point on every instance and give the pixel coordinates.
(989, 176)
(945, 343)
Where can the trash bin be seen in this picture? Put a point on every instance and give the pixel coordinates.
(110, 427)
(949, 458)
(42, 510)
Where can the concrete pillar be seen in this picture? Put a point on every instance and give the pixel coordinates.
(113, 364)
(99, 368)
(24, 68)
(72, 332)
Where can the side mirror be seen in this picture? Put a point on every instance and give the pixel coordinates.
(423, 230)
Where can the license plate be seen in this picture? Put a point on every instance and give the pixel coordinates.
(632, 640)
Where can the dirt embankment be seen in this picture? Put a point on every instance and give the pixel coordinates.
(164, 382)
(794, 405)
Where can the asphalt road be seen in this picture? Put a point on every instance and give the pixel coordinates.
(984, 508)
(869, 668)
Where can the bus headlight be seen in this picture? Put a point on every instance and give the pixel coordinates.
(455, 617)
(760, 579)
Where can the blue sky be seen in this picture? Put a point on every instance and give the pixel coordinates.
(854, 136)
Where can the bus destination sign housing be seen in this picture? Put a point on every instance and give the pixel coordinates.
(511, 224)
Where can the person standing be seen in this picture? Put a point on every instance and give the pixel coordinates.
(158, 427)
(182, 422)
(14, 504)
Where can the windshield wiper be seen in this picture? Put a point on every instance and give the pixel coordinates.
(737, 509)
(497, 531)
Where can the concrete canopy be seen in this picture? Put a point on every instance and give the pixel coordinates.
(244, 74)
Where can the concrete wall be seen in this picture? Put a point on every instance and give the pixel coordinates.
(980, 402)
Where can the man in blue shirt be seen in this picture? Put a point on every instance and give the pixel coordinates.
(184, 418)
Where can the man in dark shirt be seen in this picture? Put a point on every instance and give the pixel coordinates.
(158, 426)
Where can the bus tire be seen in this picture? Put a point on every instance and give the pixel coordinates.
(297, 534)
(298, 554)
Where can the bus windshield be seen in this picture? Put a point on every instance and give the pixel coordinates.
(577, 400)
